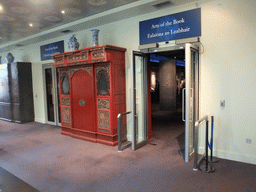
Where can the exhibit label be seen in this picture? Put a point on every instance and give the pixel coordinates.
(177, 26)
(50, 49)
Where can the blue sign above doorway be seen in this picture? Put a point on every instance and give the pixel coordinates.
(50, 49)
(171, 27)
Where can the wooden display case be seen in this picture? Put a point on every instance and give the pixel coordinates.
(92, 92)
(16, 92)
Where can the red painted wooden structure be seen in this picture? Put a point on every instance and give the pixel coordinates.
(92, 92)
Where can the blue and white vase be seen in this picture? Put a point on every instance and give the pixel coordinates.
(73, 44)
(9, 58)
(95, 37)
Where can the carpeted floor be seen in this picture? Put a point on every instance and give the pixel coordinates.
(181, 141)
(40, 156)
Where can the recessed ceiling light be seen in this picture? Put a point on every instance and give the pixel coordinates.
(1, 8)
(63, 12)
(31, 24)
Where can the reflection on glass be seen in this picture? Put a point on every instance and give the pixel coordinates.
(103, 84)
(58, 88)
(140, 87)
(65, 85)
(153, 81)
(49, 96)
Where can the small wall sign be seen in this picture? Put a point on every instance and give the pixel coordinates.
(171, 27)
(50, 49)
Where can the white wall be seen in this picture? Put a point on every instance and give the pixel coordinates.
(228, 73)
(227, 69)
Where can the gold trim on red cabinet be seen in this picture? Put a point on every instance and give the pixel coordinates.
(88, 69)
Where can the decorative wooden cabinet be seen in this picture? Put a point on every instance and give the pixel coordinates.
(92, 92)
(16, 92)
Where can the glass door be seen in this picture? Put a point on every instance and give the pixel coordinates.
(139, 100)
(191, 97)
(52, 109)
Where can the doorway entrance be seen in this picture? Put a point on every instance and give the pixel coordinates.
(166, 91)
(167, 80)
(51, 94)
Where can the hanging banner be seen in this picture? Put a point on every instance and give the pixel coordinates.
(177, 26)
(50, 49)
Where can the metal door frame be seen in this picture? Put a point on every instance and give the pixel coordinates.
(191, 47)
(55, 94)
(135, 144)
(192, 96)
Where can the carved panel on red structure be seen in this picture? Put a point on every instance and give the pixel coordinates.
(102, 78)
(103, 104)
(65, 101)
(66, 114)
(104, 119)
(64, 76)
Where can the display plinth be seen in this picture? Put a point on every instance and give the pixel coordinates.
(92, 92)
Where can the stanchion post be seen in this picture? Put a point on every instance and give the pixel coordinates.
(211, 138)
(119, 132)
(212, 159)
(207, 168)
(206, 146)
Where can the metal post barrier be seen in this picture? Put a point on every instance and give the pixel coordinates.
(212, 159)
(208, 168)
(196, 162)
(122, 146)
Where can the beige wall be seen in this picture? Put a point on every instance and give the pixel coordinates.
(227, 69)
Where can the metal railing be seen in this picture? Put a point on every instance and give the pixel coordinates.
(207, 168)
(122, 135)
(196, 161)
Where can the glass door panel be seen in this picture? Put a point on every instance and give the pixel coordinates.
(191, 92)
(140, 96)
(51, 94)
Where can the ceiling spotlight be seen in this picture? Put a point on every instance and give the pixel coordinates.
(1, 8)
(63, 12)
(31, 24)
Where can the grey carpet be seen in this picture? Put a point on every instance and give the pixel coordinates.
(48, 161)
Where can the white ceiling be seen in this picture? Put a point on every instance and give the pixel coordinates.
(48, 21)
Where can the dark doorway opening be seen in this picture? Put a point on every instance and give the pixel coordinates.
(167, 82)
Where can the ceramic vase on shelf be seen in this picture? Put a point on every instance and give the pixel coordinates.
(95, 37)
(9, 58)
(73, 44)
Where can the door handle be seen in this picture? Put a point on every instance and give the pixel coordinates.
(82, 102)
(183, 105)
(191, 111)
